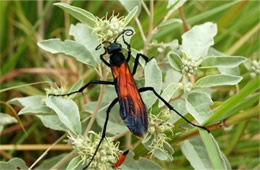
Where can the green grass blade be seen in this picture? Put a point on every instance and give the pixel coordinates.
(231, 102)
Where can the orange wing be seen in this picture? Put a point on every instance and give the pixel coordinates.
(132, 108)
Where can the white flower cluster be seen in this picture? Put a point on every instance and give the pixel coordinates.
(190, 65)
(255, 68)
(107, 154)
(108, 29)
(158, 125)
(186, 87)
(56, 90)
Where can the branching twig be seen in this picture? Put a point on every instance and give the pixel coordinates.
(100, 97)
(34, 147)
(145, 8)
(140, 29)
(64, 160)
(121, 134)
(45, 152)
(185, 24)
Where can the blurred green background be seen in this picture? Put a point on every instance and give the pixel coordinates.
(23, 23)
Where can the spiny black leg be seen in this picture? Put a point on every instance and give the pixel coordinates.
(137, 61)
(104, 131)
(143, 89)
(128, 49)
(102, 58)
(85, 86)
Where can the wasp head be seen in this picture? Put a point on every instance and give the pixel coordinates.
(114, 47)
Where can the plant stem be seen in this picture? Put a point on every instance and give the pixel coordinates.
(242, 116)
(35, 147)
(64, 160)
(140, 29)
(120, 134)
(145, 8)
(52, 147)
(150, 30)
(100, 97)
(185, 24)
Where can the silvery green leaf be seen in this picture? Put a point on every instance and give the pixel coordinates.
(217, 80)
(6, 119)
(196, 42)
(88, 38)
(248, 64)
(169, 92)
(153, 78)
(198, 105)
(218, 159)
(213, 52)
(74, 163)
(110, 93)
(29, 101)
(131, 164)
(171, 76)
(161, 155)
(129, 5)
(195, 151)
(131, 15)
(224, 70)
(229, 71)
(175, 61)
(31, 104)
(115, 123)
(52, 122)
(170, 22)
(14, 163)
(76, 86)
(174, 46)
(35, 110)
(146, 138)
(79, 13)
(48, 163)
(134, 52)
(67, 111)
(174, 5)
(222, 61)
(70, 48)
(179, 105)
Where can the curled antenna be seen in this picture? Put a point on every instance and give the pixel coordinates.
(127, 32)
(99, 46)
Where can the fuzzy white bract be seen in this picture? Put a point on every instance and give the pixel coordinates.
(108, 29)
(106, 156)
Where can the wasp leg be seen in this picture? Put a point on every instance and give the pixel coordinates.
(137, 61)
(104, 130)
(85, 86)
(143, 89)
(102, 58)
